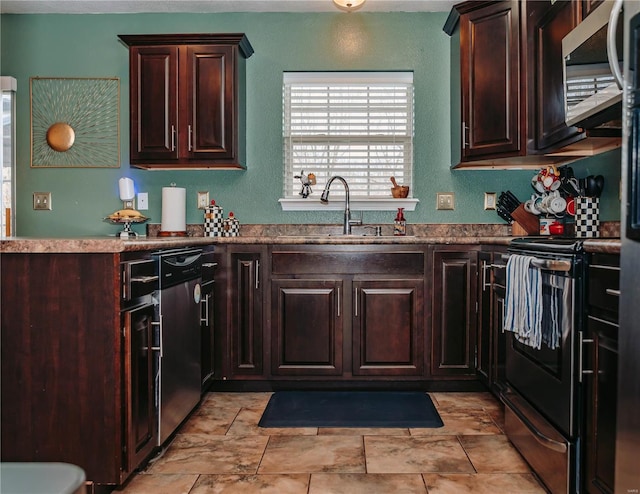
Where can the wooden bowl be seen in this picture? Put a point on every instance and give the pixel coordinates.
(400, 192)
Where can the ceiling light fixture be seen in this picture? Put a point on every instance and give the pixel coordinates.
(349, 5)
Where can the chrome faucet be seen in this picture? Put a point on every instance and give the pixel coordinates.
(324, 198)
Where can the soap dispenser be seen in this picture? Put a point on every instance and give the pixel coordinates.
(400, 224)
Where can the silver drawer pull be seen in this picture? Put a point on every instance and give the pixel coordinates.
(612, 292)
(209, 264)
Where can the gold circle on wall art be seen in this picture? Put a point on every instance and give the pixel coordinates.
(75, 122)
(60, 137)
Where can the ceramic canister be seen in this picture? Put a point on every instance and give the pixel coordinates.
(587, 216)
(213, 220)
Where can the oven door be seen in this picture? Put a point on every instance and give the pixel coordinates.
(545, 377)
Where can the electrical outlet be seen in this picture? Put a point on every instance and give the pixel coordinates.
(42, 201)
(143, 201)
(489, 200)
(203, 200)
(445, 200)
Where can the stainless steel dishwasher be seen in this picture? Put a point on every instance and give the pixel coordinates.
(178, 337)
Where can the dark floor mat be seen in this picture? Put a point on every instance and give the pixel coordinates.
(350, 409)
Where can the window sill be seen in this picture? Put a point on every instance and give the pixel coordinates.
(337, 204)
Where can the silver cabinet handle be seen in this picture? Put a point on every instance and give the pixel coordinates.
(338, 302)
(190, 137)
(485, 285)
(257, 274)
(209, 264)
(612, 50)
(464, 135)
(356, 302)
(173, 138)
(612, 292)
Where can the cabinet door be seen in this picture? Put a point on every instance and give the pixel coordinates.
(485, 301)
(498, 378)
(601, 405)
(388, 327)
(547, 24)
(306, 327)
(453, 313)
(210, 92)
(207, 326)
(245, 321)
(490, 80)
(139, 384)
(154, 103)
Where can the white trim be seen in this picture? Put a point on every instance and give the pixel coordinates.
(314, 204)
(8, 83)
(399, 77)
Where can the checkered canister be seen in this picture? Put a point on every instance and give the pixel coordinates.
(587, 216)
(213, 221)
(231, 226)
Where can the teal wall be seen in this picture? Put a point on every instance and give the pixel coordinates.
(87, 46)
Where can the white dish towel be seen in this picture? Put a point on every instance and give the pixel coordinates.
(523, 301)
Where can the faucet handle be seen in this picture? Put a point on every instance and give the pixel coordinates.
(355, 221)
(376, 228)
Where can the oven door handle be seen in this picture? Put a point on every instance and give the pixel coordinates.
(548, 264)
(544, 441)
(552, 264)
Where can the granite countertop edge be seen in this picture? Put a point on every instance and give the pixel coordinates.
(117, 245)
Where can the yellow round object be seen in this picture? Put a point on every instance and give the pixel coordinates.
(60, 137)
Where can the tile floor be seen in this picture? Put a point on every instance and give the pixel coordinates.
(221, 450)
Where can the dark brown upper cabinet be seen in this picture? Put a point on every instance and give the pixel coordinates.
(490, 79)
(508, 110)
(187, 100)
(547, 24)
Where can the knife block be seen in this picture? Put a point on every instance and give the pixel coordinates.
(524, 222)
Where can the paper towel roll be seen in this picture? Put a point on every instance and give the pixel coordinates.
(174, 204)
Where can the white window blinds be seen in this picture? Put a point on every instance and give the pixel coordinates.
(356, 125)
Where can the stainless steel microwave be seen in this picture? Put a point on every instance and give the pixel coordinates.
(592, 54)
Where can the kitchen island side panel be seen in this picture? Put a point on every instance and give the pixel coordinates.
(61, 358)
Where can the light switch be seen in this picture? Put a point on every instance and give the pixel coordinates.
(42, 201)
(445, 200)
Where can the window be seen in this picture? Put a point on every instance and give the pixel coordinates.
(7, 159)
(358, 125)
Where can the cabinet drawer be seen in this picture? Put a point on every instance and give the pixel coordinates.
(604, 283)
(343, 262)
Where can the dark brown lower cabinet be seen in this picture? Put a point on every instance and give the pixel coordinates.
(453, 311)
(388, 327)
(491, 340)
(600, 347)
(139, 367)
(77, 382)
(350, 312)
(306, 327)
(245, 313)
